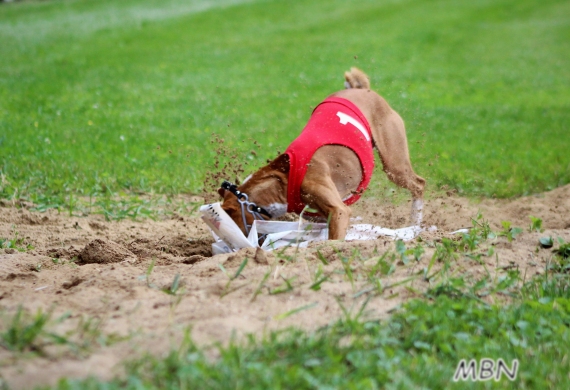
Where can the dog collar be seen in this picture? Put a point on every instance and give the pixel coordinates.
(245, 204)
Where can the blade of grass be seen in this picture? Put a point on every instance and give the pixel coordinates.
(295, 311)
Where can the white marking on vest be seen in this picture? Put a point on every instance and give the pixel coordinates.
(344, 119)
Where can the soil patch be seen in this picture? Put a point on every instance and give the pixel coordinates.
(147, 281)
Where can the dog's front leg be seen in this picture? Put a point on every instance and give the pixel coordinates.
(338, 216)
(322, 195)
(339, 220)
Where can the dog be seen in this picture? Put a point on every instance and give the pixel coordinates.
(329, 165)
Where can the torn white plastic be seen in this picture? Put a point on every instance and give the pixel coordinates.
(230, 238)
(279, 234)
(370, 232)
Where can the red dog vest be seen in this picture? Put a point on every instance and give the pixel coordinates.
(336, 121)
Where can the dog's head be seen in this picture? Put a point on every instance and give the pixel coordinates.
(265, 188)
(232, 207)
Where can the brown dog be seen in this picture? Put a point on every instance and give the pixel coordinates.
(337, 171)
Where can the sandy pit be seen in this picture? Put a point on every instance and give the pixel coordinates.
(96, 271)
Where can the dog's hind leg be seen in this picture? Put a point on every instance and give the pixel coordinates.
(392, 145)
(405, 177)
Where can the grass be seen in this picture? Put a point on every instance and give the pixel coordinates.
(17, 243)
(34, 334)
(100, 97)
(22, 334)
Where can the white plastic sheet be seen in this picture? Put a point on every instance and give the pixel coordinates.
(366, 231)
(229, 237)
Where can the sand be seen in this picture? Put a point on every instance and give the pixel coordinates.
(94, 269)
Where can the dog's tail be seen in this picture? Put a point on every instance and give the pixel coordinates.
(355, 78)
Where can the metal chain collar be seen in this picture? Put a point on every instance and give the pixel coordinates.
(255, 210)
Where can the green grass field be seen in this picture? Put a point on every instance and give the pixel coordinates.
(101, 97)
(89, 90)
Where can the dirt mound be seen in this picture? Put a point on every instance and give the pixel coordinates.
(170, 281)
(105, 251)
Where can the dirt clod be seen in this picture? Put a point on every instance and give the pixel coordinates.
(193, 259)
(260, 257)
(71, 283)
(97, 226)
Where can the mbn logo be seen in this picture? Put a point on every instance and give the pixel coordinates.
(488, 369)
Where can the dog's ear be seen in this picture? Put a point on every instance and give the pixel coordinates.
(222, 192)
(281, 163)
(230, 209)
